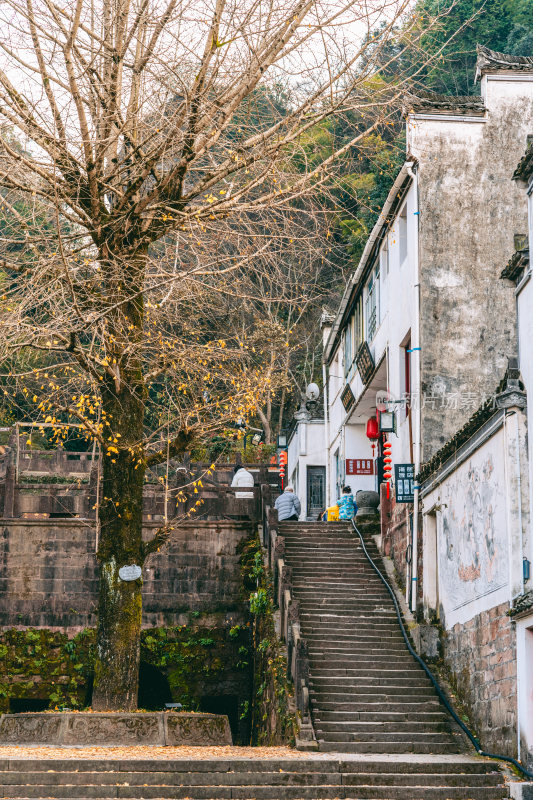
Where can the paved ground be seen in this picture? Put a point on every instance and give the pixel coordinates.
(199, 753)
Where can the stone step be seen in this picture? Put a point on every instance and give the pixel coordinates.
(356, 656)
(211, 779)
(379, 711)
(390, 747)
(239, 764)
(427, 779)
(350, 633)
(368, 729)
(263, 792)
(340, 735)
(344, 590)
(376, 694)
(371, 630)
(382, 644)
(353, 686)
(346, 621)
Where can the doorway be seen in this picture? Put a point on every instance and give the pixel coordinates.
(316, 491)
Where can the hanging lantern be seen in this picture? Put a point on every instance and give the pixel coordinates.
(372, 431)
(387, 465)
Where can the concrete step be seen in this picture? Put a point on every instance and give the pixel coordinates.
(380, 713)
(326, 709)
(423, 737)
(357, 657)
(385, 696)
(353, 688)
(320, 671)
(341, 633)
(349, 645)
(368, 729)
(390, 747)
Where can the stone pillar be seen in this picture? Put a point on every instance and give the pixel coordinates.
(367, 503)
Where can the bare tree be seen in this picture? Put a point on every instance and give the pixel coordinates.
(146, 122)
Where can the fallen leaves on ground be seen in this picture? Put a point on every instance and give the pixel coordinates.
(148, 752)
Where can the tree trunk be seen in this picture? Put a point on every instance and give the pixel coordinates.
(116, 675)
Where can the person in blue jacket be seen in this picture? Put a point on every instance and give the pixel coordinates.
(347, 505)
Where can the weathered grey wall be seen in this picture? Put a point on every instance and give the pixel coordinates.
(49, 578)
(470, 210)
(482, 656)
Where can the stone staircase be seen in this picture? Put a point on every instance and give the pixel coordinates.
(368, 694)
(252, 779)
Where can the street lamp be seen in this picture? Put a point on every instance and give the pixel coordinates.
(387, 421)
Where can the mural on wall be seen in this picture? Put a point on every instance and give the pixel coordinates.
(473, 558)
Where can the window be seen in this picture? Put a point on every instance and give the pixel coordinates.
(372, 304)
(402, 222)
(358, 334)
(348, 351)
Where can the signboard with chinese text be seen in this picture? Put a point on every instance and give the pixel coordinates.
(347, 398)
(404, 479)
(365, 362)
(359, 466)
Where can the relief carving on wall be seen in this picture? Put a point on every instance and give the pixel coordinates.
(473, 551)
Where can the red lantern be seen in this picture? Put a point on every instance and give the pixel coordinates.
(387, 465)
(372, 431)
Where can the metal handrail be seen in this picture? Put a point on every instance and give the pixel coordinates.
(442, 696)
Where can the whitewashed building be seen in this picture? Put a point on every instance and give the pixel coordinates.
(424, 316)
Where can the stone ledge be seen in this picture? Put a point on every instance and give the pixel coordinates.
(119, 729)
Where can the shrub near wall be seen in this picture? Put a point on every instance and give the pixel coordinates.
(40, 664)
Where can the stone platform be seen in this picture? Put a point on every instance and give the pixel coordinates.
(121, 729)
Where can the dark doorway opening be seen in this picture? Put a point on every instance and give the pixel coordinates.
(19, 705)
(154, 690)
(223, 704)
(316, 491)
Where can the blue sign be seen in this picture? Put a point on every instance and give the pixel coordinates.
(404, 480)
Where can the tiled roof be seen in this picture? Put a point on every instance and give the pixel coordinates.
(524, 169)
(442, 103)
(490, 60)
(522, 604)
(517, 264)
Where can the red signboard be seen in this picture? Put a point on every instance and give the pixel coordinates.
(359, 466)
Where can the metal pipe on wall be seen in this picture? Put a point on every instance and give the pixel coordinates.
(326, 427)
(415, 347)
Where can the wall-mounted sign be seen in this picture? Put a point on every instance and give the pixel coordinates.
(404, 479)
(365, 362)
(347, 398)
(359, 466)
(130, 572)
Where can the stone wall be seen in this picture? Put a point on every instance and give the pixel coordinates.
(49, 575)
(470, 210)
(481, 654)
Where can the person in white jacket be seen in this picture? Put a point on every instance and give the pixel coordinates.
(242, 478)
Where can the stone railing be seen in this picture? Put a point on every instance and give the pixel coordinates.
(35, 500)
(290, 630)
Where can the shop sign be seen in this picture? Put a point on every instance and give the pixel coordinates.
(404, 480)
(359, 466)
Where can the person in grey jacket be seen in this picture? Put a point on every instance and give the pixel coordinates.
(288, 506)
